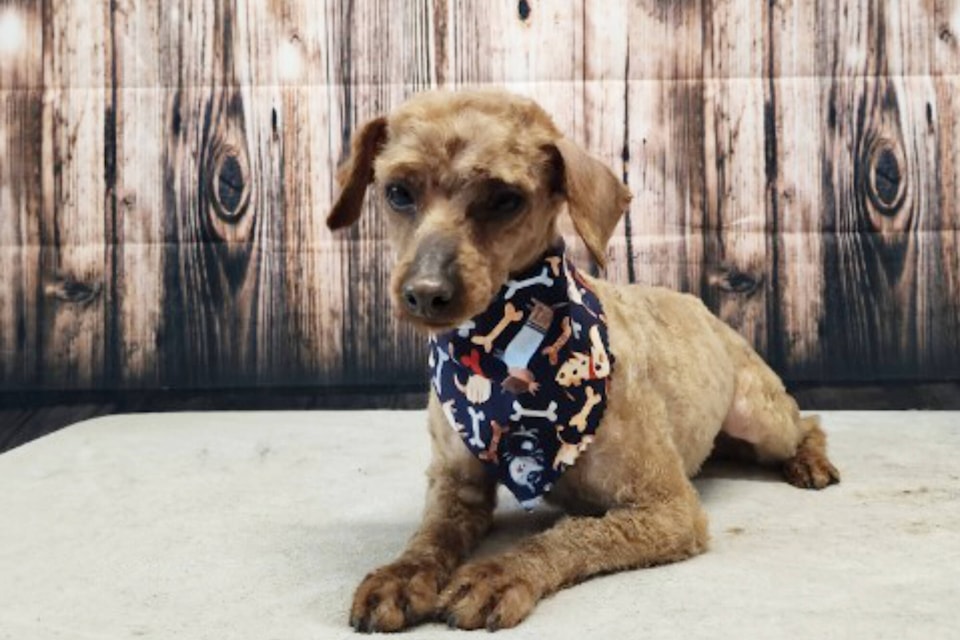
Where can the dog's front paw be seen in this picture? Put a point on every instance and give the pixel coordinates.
(810, 471)
(487, 594)
(396, 596)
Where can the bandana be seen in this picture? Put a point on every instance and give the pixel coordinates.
(525, 382)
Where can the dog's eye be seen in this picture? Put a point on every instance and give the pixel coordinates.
(506, 202)
(399, 198)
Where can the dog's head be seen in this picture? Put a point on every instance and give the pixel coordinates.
(472, 184)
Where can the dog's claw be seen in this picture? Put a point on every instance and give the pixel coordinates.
(360, 624)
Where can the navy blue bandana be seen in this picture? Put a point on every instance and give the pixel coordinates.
(525, 382)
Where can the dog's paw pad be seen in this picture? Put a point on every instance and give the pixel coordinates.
(484, 595)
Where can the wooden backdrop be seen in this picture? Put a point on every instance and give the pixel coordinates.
(166, 167)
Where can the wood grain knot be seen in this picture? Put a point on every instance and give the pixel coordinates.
(230, 183)
(523, 10)
(67, 289)
(731, 280)
(886, 183)
(946, 35)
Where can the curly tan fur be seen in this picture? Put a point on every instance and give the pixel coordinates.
(683, 377)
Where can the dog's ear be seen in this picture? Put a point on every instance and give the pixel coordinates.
(356, 173)
(595, 197)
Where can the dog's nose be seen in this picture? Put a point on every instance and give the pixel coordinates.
(428, 297)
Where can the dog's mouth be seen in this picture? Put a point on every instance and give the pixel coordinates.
(430, 325)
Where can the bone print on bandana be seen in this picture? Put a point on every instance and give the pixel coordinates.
(525, 382)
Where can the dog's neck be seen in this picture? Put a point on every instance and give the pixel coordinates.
(524, 382)
(555, 247)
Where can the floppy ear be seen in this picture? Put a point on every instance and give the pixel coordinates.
(595, 197)
(356, 173)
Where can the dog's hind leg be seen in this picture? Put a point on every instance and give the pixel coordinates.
(764, 415)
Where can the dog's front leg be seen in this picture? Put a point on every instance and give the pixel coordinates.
(460, 501)
(501, 591)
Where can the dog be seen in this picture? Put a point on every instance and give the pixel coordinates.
(473, 183)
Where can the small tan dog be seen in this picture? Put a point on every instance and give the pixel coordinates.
(474, 183)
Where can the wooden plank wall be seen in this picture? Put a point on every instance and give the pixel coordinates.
(165, 170)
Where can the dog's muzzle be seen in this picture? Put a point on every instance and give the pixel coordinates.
(432, 287)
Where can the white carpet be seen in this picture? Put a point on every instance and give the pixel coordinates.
(260, 525)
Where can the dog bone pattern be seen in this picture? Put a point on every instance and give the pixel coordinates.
(515, 285)
(552, 351)
(580, 420)
(527, 422)
(438, 358)
(598, 353)
(569, 451)
(573, 291)
(520, 412)
(577, 327)
(448, 411)
(465, 328)
(490, 455)
(555, 262)
(510, 315)
(475, 418)
(523, 431)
